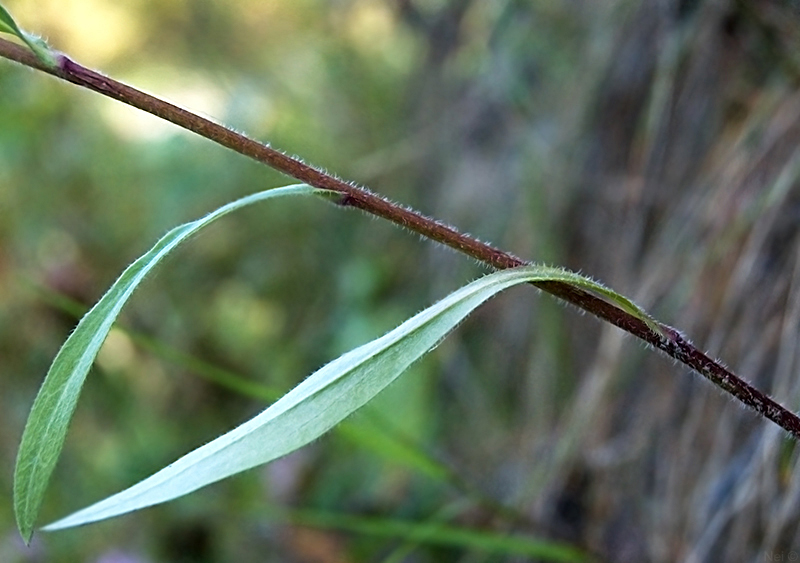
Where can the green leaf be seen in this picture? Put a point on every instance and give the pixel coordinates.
(43, 437)
(36, 44)
(324, 399)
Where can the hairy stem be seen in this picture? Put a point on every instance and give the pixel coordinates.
(670, 341)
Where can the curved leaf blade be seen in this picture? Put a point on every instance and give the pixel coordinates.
(322, 400)
(46, 428)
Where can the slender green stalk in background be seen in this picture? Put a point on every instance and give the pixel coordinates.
(436, 533)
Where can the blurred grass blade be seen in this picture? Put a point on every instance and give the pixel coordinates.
(52, 410)
(36, 44)
(435, 533)
(321, 401)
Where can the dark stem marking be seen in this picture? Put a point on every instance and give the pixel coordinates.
(670, 342)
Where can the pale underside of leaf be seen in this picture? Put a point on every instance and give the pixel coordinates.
(323, 399)
(47, 424)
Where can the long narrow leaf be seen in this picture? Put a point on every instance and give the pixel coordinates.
(43, 437)
(322, 400)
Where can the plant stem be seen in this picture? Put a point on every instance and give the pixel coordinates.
(670, 341)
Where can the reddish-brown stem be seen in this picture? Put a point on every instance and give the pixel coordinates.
(669, 341)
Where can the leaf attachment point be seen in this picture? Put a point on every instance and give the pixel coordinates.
(39, 47)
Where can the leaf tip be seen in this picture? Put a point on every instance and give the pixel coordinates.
(25, 529)
(24, 521)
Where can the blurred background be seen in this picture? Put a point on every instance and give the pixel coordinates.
(650, 145)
